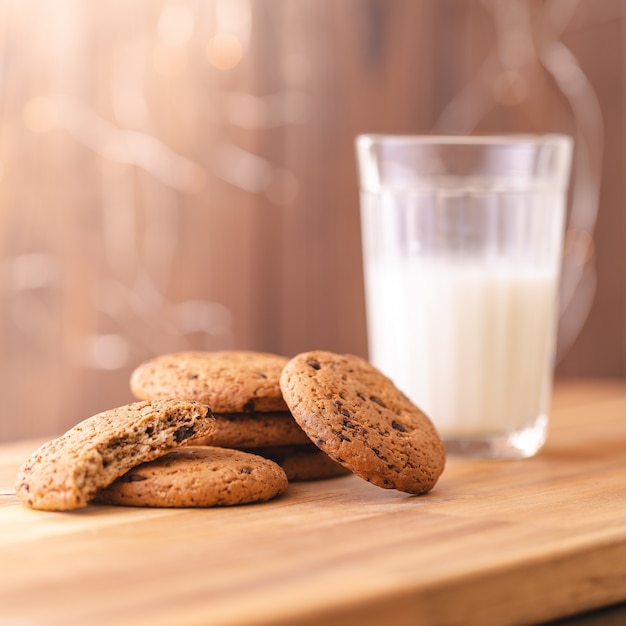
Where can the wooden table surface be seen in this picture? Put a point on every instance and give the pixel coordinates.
(496, 542)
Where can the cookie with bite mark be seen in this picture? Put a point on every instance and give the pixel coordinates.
(67, 472)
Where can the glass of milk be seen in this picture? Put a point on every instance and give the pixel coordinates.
(462, 239)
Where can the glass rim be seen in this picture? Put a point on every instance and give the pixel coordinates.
(495, 139)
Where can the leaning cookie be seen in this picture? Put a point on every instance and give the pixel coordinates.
(67, 472)
(228, 381)
(355, 414)
(254, 430)
(303, 462)
(198, 477)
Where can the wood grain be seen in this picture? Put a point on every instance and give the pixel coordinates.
(494, 543)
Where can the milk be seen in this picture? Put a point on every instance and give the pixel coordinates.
(469, 341)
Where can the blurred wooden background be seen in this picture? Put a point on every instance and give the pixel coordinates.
(180, 174)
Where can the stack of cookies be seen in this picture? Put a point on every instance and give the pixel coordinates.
(225, 428)
(243, 390)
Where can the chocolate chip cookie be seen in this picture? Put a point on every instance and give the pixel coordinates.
(253, 430)
(303, 462)
(67, 472)
(227, 381)
(198, 477)
(357, 416)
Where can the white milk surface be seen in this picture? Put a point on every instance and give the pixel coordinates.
(474, 343)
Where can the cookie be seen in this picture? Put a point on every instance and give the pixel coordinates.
(303, 462)
(227, 381)
(198, 477)
(65, 473)
(253, 430)
(357, 416)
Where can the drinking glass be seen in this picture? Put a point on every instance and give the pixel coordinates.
(462, 239)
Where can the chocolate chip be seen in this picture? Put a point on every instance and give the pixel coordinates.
(182, 433)
(149, 430)
(378, 401)
(398, 426)
(262, 375)
(314, 364)
(343, 437)
(132, 478)
(345, 413)
(192, 376)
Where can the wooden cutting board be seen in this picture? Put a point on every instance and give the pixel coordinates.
(495, 543)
